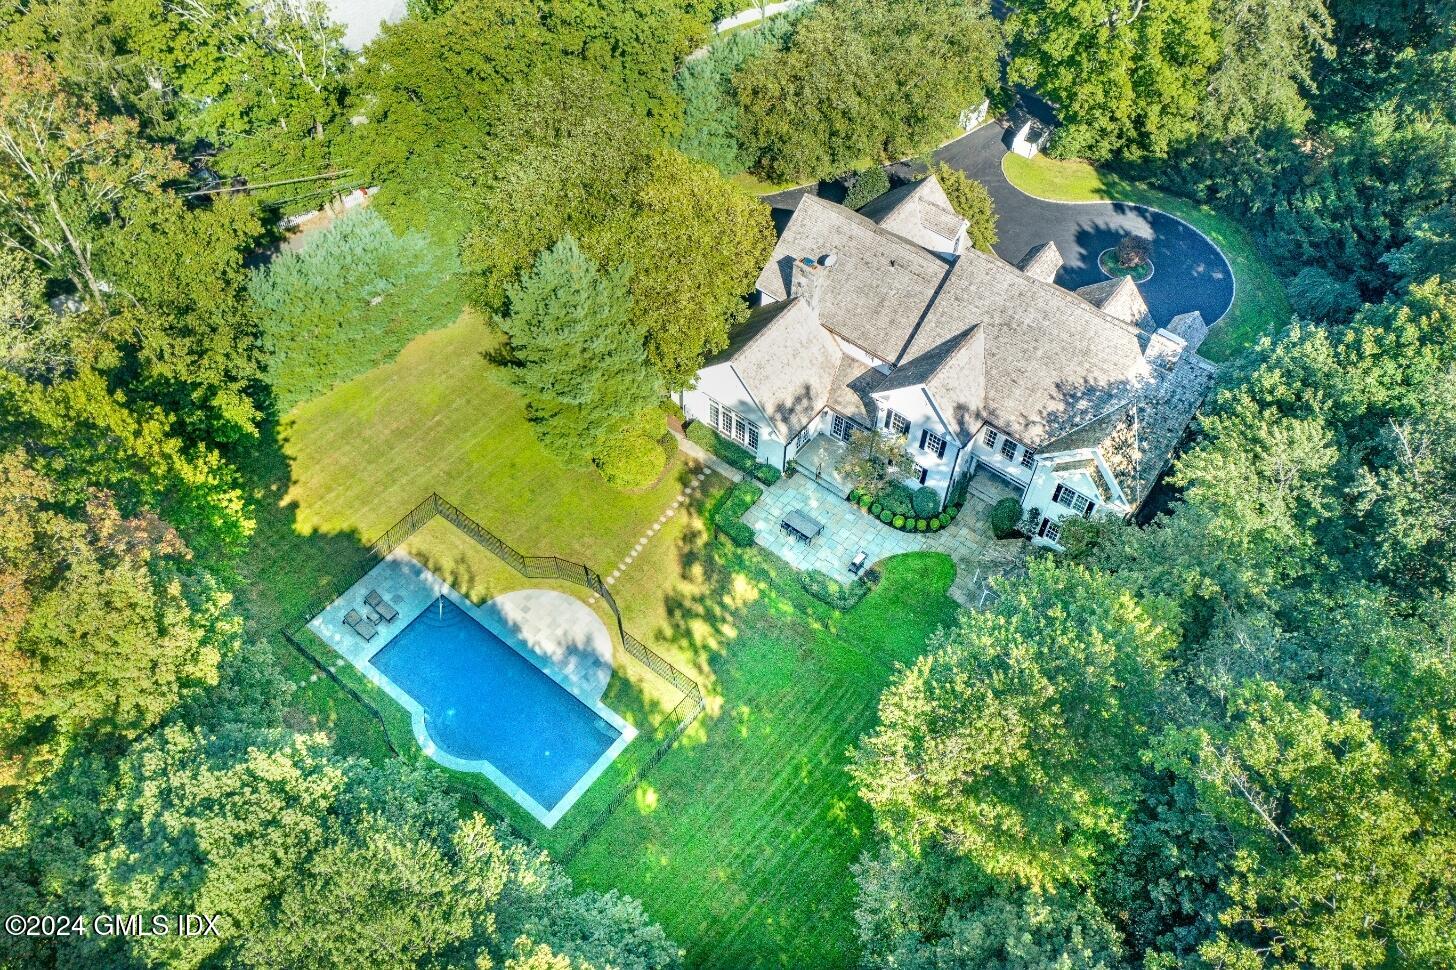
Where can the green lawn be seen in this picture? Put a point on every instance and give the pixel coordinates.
(740, 840)
(340, 469)
(1260, 304)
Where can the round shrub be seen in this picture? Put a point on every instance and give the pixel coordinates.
(898, 499)
(865, 501)
(921, 525)
(632, 461)
(925, 501)
(1005, 517)
(950, 513)
(935, 524)
(886, 515)
(899, 522)
(876, 508)
(854, 495)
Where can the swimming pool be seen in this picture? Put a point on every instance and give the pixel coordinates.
(485, 702)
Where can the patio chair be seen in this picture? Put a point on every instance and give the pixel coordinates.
(359, 625)
(381, 606)
(857, 563)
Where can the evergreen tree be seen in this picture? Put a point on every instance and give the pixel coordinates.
(971, 202)
(577, 353)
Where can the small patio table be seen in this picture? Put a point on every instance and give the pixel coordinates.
(801, 526)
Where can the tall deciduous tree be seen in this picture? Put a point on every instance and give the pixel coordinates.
(1014, 742)
(901, 75)
(102, 635)
(574, 162)
(65, 171)
(1127, 76)
(1265, 71)
(299, 853)
(577, 353)
(1335, 865)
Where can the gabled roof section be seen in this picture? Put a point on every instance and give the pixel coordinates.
(1052, 362)
(787, 361)
(879, 286)
(919, 211)
(1138, 438)
(1118, 297)
(1042, 263)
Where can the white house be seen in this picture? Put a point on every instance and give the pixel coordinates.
(887, 319)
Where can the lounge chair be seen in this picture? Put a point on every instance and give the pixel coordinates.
(857, 563)
(381, 606)
(360, 625)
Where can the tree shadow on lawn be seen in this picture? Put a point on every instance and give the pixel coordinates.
(288, 573)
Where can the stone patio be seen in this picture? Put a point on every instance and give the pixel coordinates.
(848, 530)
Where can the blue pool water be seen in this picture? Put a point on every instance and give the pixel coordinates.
(484, 701)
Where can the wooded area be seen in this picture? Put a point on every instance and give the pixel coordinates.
(1224, 739)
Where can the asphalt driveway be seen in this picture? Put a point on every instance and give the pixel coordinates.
(1189, 273)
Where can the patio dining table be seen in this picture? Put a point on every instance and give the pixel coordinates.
(801, 525)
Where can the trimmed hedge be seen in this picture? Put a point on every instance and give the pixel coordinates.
(711, 441)
(727, 516)
(839, 595)
(887, 512)
(731, 452)
(767, 474)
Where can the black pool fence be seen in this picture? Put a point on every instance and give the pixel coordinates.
(683, 714)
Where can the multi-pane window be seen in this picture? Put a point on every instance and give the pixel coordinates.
(920, 474)
(991, 437)
(896, 423)
(731, 424)
(841, 427)
(1008, 449)
(1050, 530)
(1073, 500)
(1028, 458)
(933, 443)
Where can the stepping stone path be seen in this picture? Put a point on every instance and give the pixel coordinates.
(652, 530)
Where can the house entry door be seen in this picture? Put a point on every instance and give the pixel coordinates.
(841, 428)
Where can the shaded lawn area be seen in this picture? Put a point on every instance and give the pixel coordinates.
(338, 470)
(740, 840)
(1260, 305)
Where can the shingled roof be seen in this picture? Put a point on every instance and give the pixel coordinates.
(879, 285)
(991, 343)
(1042, 262)
(791, 395)
(1118, 297)
(919, 211)
(1138, 438)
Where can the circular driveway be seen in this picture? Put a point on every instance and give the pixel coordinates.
(1192, 274)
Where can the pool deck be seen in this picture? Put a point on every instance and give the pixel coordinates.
(561, 636)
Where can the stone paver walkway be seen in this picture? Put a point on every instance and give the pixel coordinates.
(652, 530)
(848, 530)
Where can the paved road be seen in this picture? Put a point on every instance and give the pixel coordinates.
(1189, 273)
